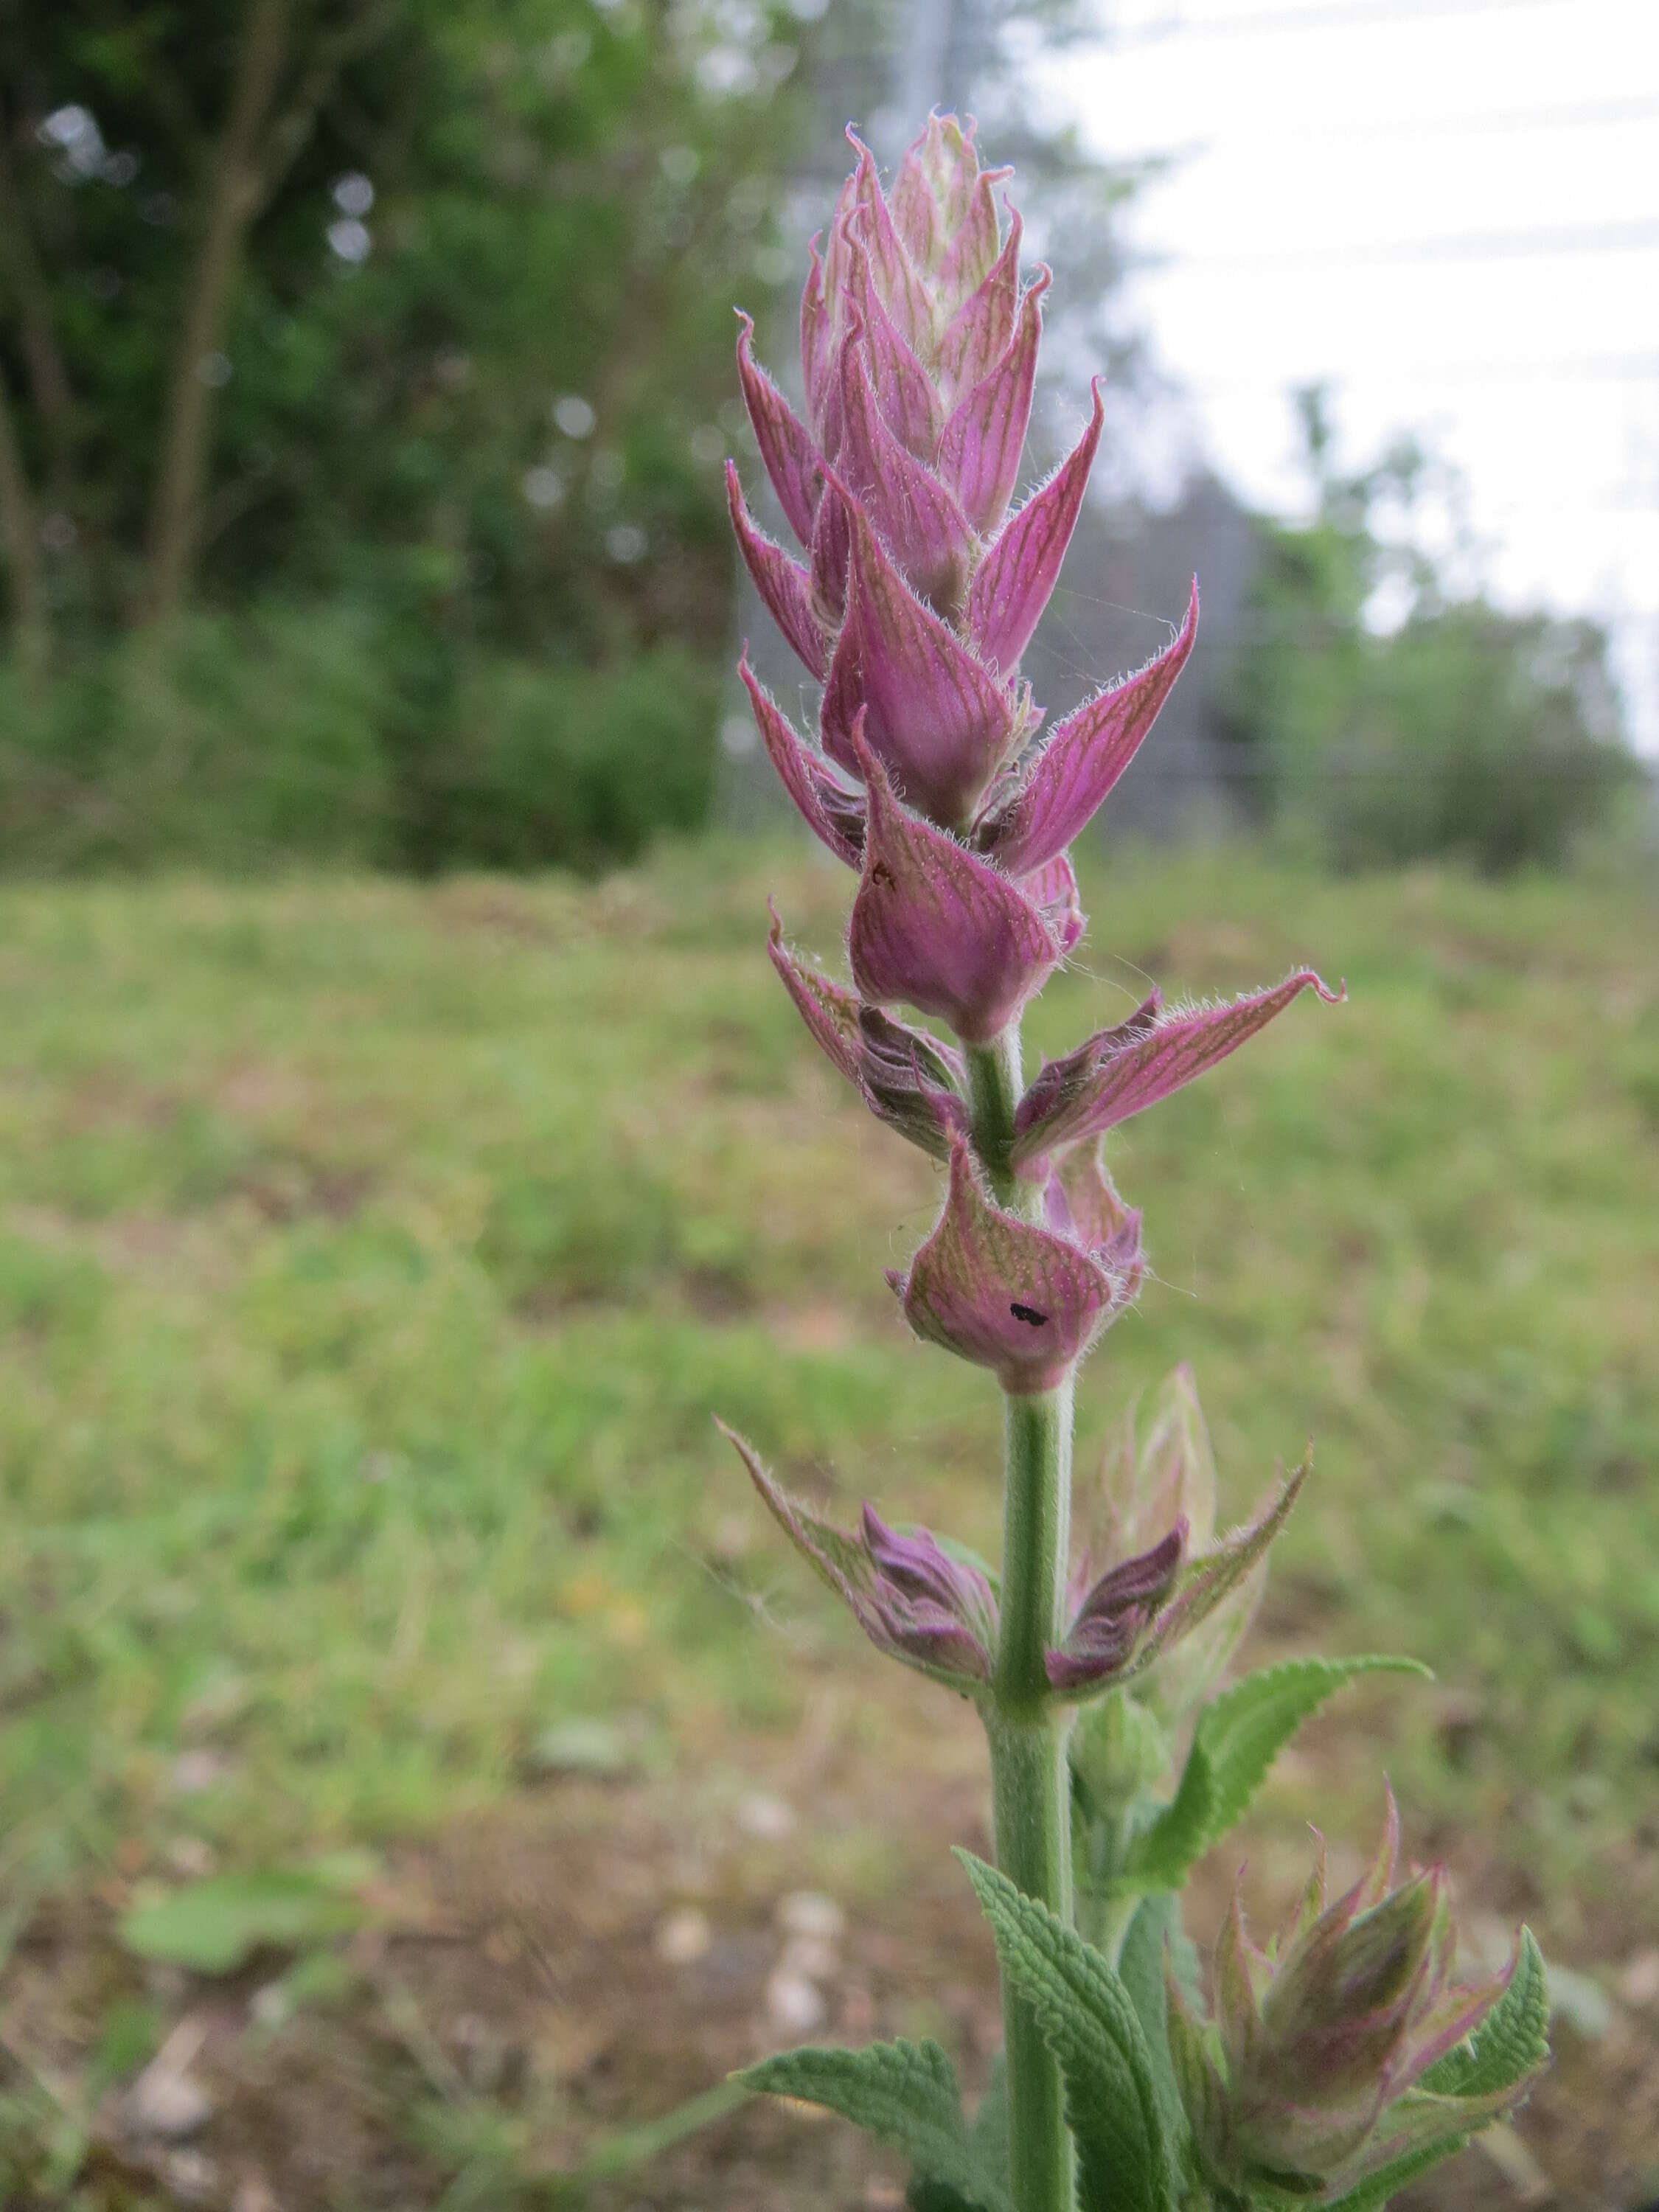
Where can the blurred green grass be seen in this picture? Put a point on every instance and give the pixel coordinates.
(372, 1258)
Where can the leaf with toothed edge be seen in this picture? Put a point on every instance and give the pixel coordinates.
(1127, 2158)
(1236, 1741)
(903, 2093)
(1511, 2043)
(1156, 1937)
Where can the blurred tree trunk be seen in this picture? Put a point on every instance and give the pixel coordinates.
(21, 536)
(20, 265)
(232, 193)
(258, 147)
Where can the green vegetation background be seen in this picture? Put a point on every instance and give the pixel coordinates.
(372, 1260)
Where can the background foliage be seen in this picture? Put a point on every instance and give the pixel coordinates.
(1458, 730)
(458, 402)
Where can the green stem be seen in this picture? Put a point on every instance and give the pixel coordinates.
(994, 1083)
(1030, 1782)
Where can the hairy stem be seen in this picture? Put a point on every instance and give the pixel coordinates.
(994, 1083)
(1029, 1782)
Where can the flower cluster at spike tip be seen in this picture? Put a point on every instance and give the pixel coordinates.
(1341, 2062)
(917, 587)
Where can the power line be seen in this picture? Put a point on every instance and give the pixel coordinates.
(1583, 114)
(1332, 16)
(1588, 369)
(1538, 245)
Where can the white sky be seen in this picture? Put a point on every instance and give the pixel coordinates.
(1449, 210)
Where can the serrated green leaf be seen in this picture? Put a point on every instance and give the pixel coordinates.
(1512, 2042)
(1238, 1739)
(903, 2093)
(214, 1926)
(1155, 1929)
(1125, 2159)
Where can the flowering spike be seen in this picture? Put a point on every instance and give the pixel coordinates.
(1014, 582)
(1123, 1071)
(906, 1078)
(937, 719)
(911, 1599)
(1343, 2052)
(817, 329)
(907, 295)
(1006, 1295)
(980, 448)
(1325, 2065)
(832, 812)
(982, 328)
(908, 400)
(935, 925)
(785, 446)
(831, 553)
(916, 517)
(934, 188)
(972, 254)
(1059, 794)
(781, 581)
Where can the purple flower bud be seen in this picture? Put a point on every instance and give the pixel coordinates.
(1016, 581)
(1057, 792)
(1174, 1604)
(831, 809)
(783, 583)
(919, 592)
(1123, 1071)
(785, 444)
(937, 718)
(1310, 2080)
(980, 446)
(908, 1079)
(1115, 1615)
(1026, 1301)
(935, 925)
(912, 1599)
(1152, 1478)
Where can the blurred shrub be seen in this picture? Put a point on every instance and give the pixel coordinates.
(1461, 730)
(1479, 735)
(312, 734)
(575, 765)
